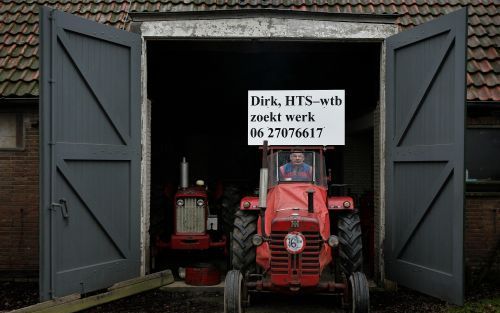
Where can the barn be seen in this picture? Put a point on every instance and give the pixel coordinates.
(95, 118)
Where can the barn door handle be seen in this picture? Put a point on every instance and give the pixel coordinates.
(63, 204)
(64, 208)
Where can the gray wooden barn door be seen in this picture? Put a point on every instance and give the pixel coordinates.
(425, 157)
(90, 155)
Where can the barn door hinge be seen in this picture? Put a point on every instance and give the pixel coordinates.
(63, 204)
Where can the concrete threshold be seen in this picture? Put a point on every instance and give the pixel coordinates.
(181, 286)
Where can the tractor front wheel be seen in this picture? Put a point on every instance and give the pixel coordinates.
(359, 293)
(350, 243)
(243, 251)
(234, 292)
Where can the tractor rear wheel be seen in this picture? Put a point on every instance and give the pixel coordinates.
(359, 293)
(229, 205)
(350, 243)
(234, 292)
(243, 251)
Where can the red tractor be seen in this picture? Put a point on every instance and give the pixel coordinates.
(194, 227)
(282, 240)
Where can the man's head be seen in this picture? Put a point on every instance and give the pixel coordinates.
(297, 158)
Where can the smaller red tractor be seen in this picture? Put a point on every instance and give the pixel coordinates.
(194, 227)
(282, 240)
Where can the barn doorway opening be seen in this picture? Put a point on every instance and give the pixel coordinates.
(198, 92)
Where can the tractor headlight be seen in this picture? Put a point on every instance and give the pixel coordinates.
(200, 202)
(347, 204)
(333, 241)
(246, 204)
(180, 202)
(257, 240)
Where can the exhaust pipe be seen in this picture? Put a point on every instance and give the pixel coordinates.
(184, 173)
(263, 184)
(310, 201)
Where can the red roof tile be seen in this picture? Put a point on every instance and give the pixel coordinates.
(19, 30)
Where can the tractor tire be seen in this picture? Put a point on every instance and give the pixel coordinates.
(229, 205)
(350, 243)
(243, 251)
(234, 292)
(359, 293)
(229, 259)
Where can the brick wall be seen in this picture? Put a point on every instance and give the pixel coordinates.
(19, 201)
(358, 174)
(482, 209)
(482, 237)
(358, 162)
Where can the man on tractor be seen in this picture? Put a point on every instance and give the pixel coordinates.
(296, 169)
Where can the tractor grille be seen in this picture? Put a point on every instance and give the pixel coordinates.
(306, 263)
(190, 218)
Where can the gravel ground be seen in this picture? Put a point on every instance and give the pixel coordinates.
(17, 295)
(14, 295)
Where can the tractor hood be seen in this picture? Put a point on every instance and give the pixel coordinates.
(192, 191)
(287, 199)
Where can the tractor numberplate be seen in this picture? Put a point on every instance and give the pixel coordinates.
(295, 242)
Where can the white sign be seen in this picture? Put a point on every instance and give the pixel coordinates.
(296, 117)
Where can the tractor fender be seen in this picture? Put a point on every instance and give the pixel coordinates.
(249, 204)
(337, 204)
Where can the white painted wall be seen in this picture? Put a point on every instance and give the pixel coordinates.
(266, 28)
(145, 165)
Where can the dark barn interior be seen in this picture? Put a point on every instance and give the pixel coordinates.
(198, 92)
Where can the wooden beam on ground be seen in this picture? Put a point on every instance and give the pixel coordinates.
(74, 303)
